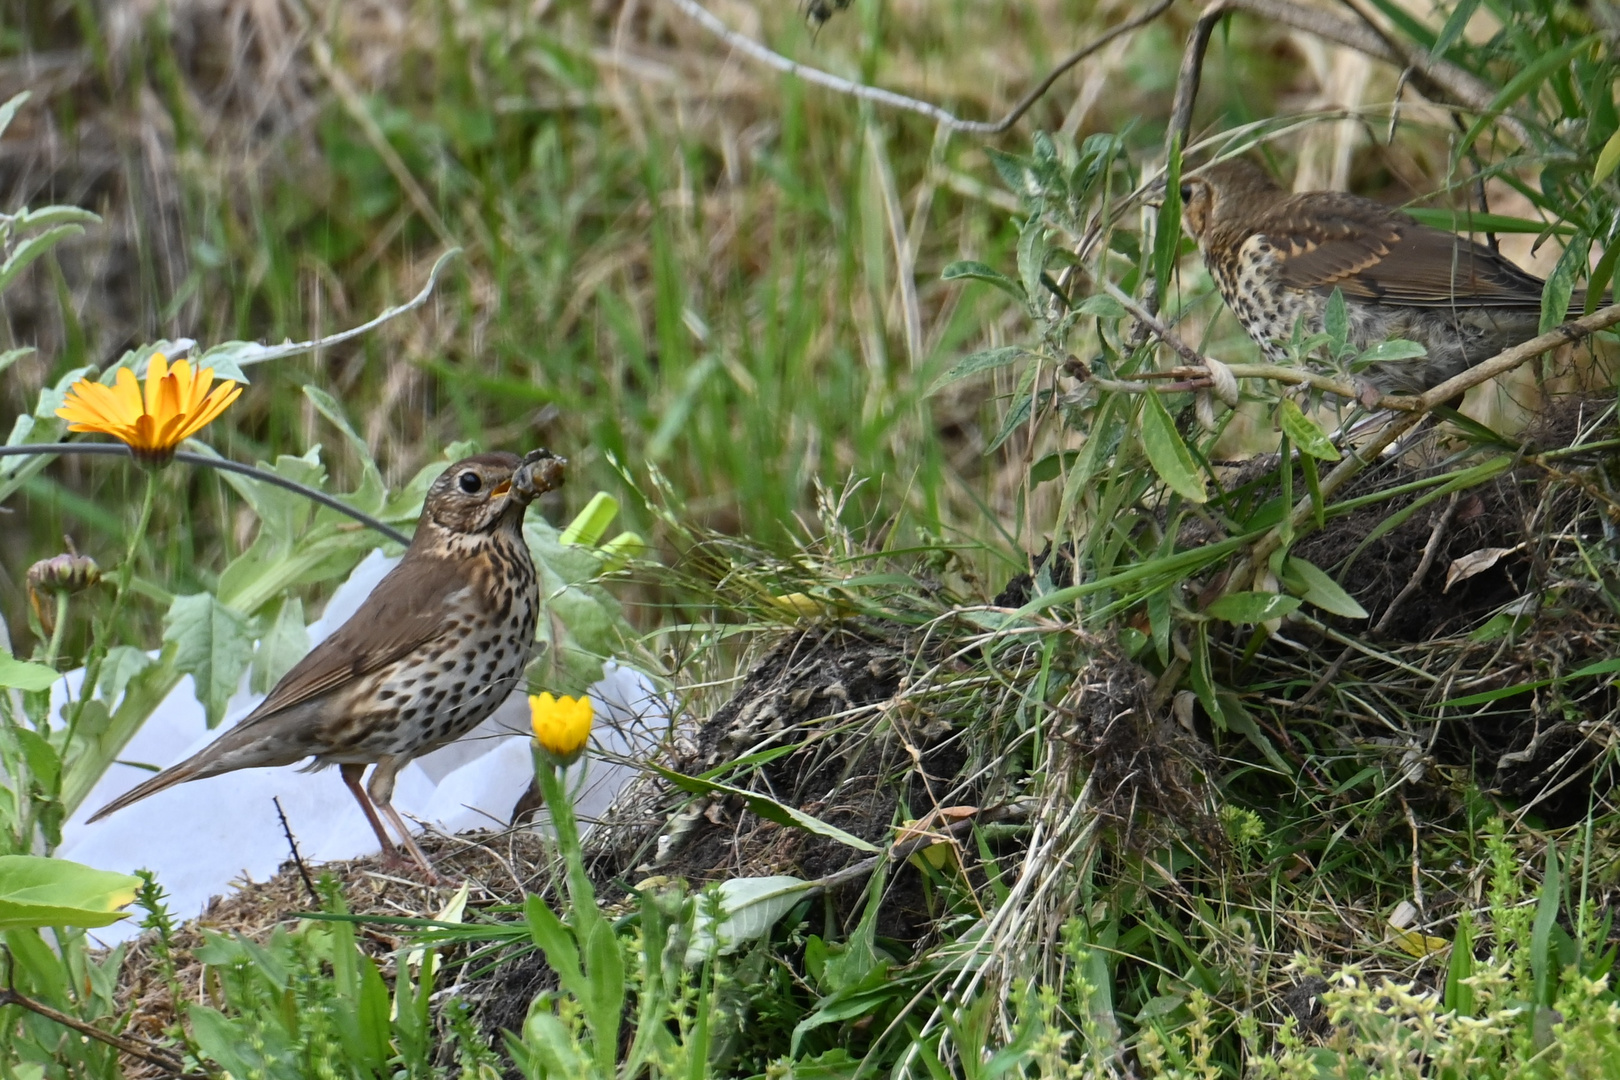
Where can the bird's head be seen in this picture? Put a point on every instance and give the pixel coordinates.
(1219, 192)
(483, 492)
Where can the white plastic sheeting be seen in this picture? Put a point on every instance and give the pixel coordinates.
(201, 836)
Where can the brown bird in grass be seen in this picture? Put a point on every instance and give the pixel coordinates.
(1277, 258)
(437, 646)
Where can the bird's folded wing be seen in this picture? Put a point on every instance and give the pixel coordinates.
(1371, 253)
(405, 611)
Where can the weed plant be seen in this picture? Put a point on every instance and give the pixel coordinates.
(1210, 821)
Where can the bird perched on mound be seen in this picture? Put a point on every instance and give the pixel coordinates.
(435, 648)
(1277, 258)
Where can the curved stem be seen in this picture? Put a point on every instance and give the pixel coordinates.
(190, 458)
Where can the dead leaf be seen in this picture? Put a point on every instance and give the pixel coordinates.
(1466, 566)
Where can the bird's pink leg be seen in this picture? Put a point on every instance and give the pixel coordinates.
(381, 790)
(351, 778)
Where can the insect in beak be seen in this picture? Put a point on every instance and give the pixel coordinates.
(500, 489)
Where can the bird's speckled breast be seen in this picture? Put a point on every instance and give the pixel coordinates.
(1268, 311)
(445, 690)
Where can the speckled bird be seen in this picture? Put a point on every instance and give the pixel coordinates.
(437, 646)
(1277, 258)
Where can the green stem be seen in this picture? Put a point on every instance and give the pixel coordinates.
(126, 570)
(581, 896)
(56, 629)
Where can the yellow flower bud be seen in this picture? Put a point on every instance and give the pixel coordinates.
(561, 725)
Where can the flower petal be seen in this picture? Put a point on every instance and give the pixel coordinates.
(128, 391)
(157, 369)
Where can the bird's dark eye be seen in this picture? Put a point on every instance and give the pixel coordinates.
(1186, 192)
(470, 483)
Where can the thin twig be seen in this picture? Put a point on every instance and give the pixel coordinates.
(292, 845)
(877, 95)
(152, 1055)
(223, 464)
(1430, 550)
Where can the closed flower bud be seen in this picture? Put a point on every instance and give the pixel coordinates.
(69, 573)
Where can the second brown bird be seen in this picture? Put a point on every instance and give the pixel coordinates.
(1277, 258)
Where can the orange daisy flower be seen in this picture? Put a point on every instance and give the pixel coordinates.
(176, 405)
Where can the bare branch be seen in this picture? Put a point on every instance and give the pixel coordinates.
(877, 95)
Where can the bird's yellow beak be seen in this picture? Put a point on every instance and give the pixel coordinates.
(500, 489)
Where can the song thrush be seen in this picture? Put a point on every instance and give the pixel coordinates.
(435, 648)
(1278, 257)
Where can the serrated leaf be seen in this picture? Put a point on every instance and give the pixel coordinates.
(122, 664)
(978, 271)
(1303, 432)
(369, 496)
(1168, 454)
(974, 363)
(213, 644)
(1315, 587)
(282, 646)
(21, 675)
(1252, 607)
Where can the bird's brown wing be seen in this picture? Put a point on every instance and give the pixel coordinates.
(1331, 240)
(404, 611)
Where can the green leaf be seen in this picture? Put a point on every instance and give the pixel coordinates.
(1470, 221)
(122, 664)
(32, 248)
(1316, 587)
(1303, 432)
(1521, 84)
(984, 360)
(36, 892)
(21, 675)
(1167, 454)
(749, 907)
(1393, 349)
(282, 646)
(1167, 227)
(1032, 255)
(213, 645)
(1336, 322)
(1561, 282)
(765, 807)
(1023, 403)
(41, 216)
(1608, 158)
(1102, 306)
(371, 492)
(9, 110)
(11, 356)
(978, 271)
(1252, 607)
